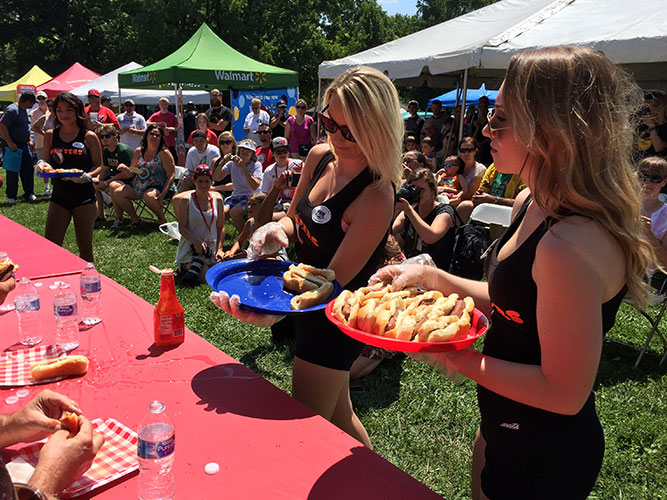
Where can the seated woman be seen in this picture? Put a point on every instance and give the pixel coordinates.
(203, 125)
(227, 146)
(473, 172)
(450, 177)
(201, 222)
(652, 173)
(155, 177)
(413, 160)
(238, 250)
(428, 227)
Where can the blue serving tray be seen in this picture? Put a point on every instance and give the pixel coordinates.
(259, 285)
(48, 175)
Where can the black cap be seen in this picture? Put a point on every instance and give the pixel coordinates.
(281, 104)
(199, 133)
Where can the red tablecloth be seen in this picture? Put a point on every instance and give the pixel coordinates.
(267, 444)
(35, 255)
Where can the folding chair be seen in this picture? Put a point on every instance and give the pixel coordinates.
(655, 322)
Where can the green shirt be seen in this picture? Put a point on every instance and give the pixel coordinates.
(122, 154)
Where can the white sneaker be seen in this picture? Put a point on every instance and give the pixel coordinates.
(47, 190)
(11, 201)
(116, 224)
(31, 197)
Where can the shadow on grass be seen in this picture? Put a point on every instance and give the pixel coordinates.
(379, 389)
(249, 359)
(618, 361)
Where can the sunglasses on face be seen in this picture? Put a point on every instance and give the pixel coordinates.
(300, 106)
(281, 152)
(129, 104)
(466, 150)
(226, 142)
(107, 136)
(489, 118)
(331, 126)
(155, 135)
(449, 165)
(654, 179)
(263, 132)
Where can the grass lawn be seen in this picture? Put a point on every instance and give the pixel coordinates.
(416, 419)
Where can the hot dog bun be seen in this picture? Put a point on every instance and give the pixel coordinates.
(6, 265)
(63, 366)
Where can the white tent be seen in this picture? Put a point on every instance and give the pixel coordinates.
(482, 42)
(107, 85)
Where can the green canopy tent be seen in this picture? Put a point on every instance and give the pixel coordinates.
(206, 62)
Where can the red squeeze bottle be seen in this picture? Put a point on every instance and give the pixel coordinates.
(168, 320)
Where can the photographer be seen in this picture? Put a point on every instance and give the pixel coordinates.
(201, 222)
(278, 120)
(426, 227)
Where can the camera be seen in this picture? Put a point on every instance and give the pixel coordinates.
(208, 254)
(294, 179)
(409, 193)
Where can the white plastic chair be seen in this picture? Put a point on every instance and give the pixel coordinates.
(489, 213)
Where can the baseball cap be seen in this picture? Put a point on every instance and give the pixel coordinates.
(128, 100)
(410, 138)
(199, 133)
(43, 94)
(413, 102)
(164, 99)
(247, 144)
(281, 104)
(202, 169)
(279, 142)
(94, 92)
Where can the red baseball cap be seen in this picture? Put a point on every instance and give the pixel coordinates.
(94, 92)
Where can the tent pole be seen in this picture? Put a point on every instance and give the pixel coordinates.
(463, 103)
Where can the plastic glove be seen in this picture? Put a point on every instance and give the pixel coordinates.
(441, 362)
(233, 306)
(80, 180)
(419, 271)
(267, 241)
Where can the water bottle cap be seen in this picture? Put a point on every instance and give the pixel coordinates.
(156, 407)
(24, 281)
(90, 265)
(167, 272)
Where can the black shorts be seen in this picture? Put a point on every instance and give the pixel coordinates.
(319, 342)
(541, 455)
(70, 195)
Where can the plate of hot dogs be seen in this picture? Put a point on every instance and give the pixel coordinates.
(408, 320)
(275, 287)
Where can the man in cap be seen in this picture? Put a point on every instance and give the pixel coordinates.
(278, 120)
(98, 114)
(168, 122)
(201, 153)
(219, 115)
(35, 115)
(246, 173)
(413, 123)
(283, 162)
(132, 125)
(15, 135)
(254, 119)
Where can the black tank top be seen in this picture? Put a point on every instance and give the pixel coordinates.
(72, 154)
(513, 334)
(319, 228)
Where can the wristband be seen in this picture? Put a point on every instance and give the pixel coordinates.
(495, 200)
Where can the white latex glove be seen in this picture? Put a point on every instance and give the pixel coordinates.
(40, 165)
(267, 241)
(442, 362)
(232, 306)
(406, 275)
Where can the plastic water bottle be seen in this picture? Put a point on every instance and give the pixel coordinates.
(67, 317)
(27, 308)
(91, 295)
(156, 450)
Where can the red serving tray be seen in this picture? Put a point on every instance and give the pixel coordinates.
(477, 329)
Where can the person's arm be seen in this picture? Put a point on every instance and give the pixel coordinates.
(220, 225)
(659, 247)
(168, 165)
(243, 237)
(478, 199)
(429, 233)
(246, 123)
(472, 187)
(140, 128)
(38, 125)
(397, 229)
(114, 120)
(7, 284)
(46, 150)
(288, 130)
(253, 182)
(225, 118)
(313, 132)
(4, 133)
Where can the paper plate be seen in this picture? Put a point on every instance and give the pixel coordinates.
(478, 328)
(59, 174)
(259, 285)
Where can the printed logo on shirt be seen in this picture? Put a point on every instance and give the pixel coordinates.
(513, 426)
(78, 145)
(302, 229)
(321, 215)
(513, 316)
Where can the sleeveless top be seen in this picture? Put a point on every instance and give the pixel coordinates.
(72, 154)
(299, 134)
(205, 231)
(513, 335)
(319, 228)
(152, 175)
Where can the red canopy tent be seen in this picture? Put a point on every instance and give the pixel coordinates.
(73, 77)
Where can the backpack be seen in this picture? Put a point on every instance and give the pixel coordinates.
(472, 241)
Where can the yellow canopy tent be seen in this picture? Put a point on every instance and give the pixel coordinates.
(36, 76)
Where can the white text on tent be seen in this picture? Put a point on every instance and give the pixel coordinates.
(228, 75)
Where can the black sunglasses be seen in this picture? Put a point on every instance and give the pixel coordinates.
(300, 106)
(106, 136)
(263, 132)
(466, 150)
(331, 126)
(655, 179)
(226, 142)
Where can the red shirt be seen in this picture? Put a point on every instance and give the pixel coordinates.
(104, 115)
(211, 138)
(265, 156)
(170, 120)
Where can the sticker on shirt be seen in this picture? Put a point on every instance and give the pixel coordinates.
(78, 145)
(321, 215)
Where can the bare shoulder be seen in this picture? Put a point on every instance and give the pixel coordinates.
(519, 201)
(91, 136)
(185, 195)
(374, 202)
(314, 156)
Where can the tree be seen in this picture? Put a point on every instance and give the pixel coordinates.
(434, 12)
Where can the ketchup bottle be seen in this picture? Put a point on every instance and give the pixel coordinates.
(168, 320)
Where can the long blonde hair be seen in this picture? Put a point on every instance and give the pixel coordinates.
(571, 108)
(372, 113)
